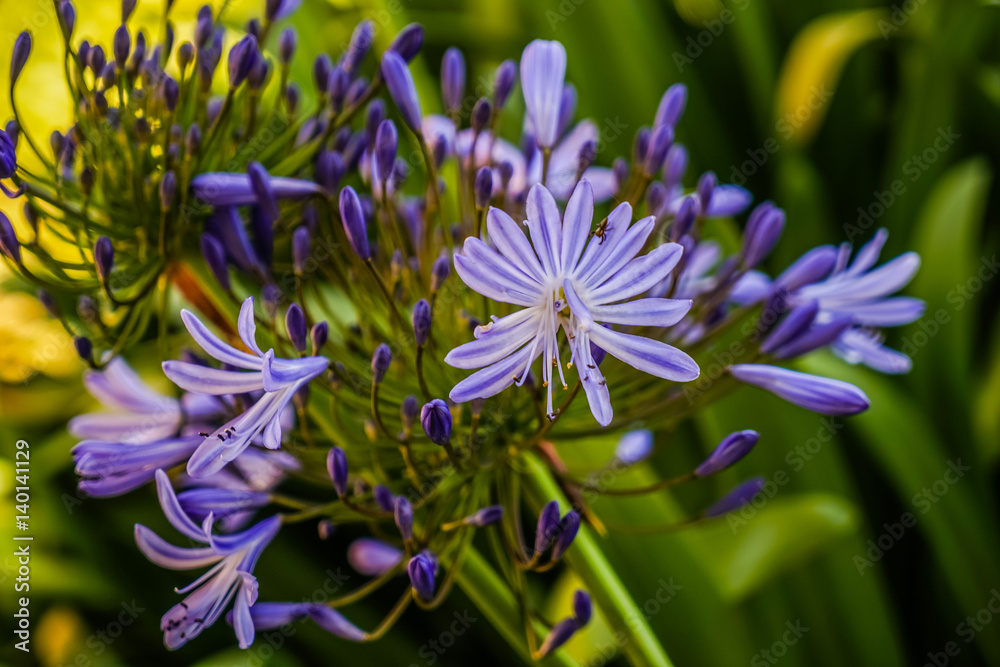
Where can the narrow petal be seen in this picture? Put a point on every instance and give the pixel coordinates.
(576, 224)
(623, 251)
(512, 243)
(483, 281)
(618, 223)
(545, 226)
(173, 511)
(248, 326)
(496, 340)
(214, 346)
(164, 554)
(639, 275)
(643, 312)
(891, 312)
(205, 380)
(648, 355)
(728, 200)
(494, 379)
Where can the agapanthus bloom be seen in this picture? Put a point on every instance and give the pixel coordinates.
(277, 378)
(232, 558)
(564, 282)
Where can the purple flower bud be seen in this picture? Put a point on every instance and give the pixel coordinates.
(741, 495)
(372, 557)
(321, 72)
(329, 170)
(583, 607)
(422, 321)
(319, 334)
(19, 55)
(543, 74)
(620, 169)
(8, 156)
(258, 72)
(260, 182)
(675, 166)
(380, 362)
(435, 417)
(504, 83)
(762, 233)
(586, 157)
(192, 142)
(50, 304)
(408, 411)
(569, 526)
(408, 42)
(421, 569)
(706, 186)
(13, 131)
(287, 43)
(452, 79)
(401, 87)
(374, 115)
(108, 77)
(275, 10)
(171, 93)
(292, 99)
(355, 90)
(481, 115)
(104, 258)
(812, 267)
(128, 6)
(656, 197)
(301, 241)
(483, 187)
(559, 635)
(336, 465)
(812, 392)
(67, 17)
(87, 308)
(384, 498)
(732, 448)
(791, 327)
(122, 45)
(295, 325)
(215, 258)
(203, 28)
(671, 106)
(84, 348)
(567, 107)
(485, 516)
(403, 514)
(336, 87)
(815, 338)
(241, 59)
(361, 42)
(684, 220)
(660, 142)
(640, 146)
(168, 190)
(386, 140)
(440, 271)
(548, 525)
(634, 446)
(354, 222)
(8, 240)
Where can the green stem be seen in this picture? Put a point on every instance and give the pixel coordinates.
(585, 556)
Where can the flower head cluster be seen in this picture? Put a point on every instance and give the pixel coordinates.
(320, 265)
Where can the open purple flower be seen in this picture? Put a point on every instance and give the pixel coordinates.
(563, 282)
(111, 468)
(279, 379)
(232, 558)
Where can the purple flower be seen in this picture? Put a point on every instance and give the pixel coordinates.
(19, 56)
(355, 224)
(741, 495)
(403, 514)
(812, 392)
(372, 557)
(275, 10)
(232, 558)
(732, 448)
(220, 503)
(111, 468)
(241, 60)
(422, 569)
(564, 282)
(671, 106)
(485, 516)
(543, 72)
(269, 615)
(361, 41)
(8, 156)
(279, 379)
(634, 446)
(336, 466)
(231, 189)
(452, 79)
(9, 244)
(436, 419)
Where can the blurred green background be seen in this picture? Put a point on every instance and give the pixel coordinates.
(850, 115)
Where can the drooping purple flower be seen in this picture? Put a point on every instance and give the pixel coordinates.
(384, 498)
(372, 557)
(233, 558)
(269, 615)
(543, 72)
(279, 379)
(741, 495)
(547, 527)
(583, 607)
(483, 187)
(403, 514)
(122, 44)
(812, 392)
(560, 634)
(404, 92)
(111, 468)
(232, 189)
(104, 258)
(559, 269)
(215, 258)
(732, 448)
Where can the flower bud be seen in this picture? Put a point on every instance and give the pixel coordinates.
(168, 190)
(8, 240)
(421, 321)
(19, 55)
(361, 42)
(732, 448)
(319, 334)
(128, 6)
(336, 87)
(67, 18)
(260, 182)
(480, 115)
(122, 44)
(634, 446)
(321, 72)
(485, 516)
(684, 219)
(813, 392)
(640, 146)
(452, 79)
(674, 166)
(355, 225)
(741, 495)
(560, 634)
(371, 557)
(215, 258)
(408, 42)
(706, 186)
(84, 348)
(483, 187)
(287, 43)
(403, 514)
(548, 524)
(402, 89)
(504, 83)
(295, 325)
(440, 271)
(8, 156)
(435, 417)
(763, 230)
(104, 258)
(660, 142)
(86, 181)
(96, 60)
(241, 58)
(384, 498)
(386, 140)
(49, 303)
(88, 310)
(421, 569)
(192, 141)
(671, 106)
(583, 607)
(567, 107)
(336, 465)
(408, 412)
(569, 526)
(301, 240)
(381, 360)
